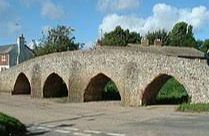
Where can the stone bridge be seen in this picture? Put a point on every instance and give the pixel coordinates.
(138, 75)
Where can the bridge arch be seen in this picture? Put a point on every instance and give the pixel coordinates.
(152, 89)
(22, 85)
(54, 86)
(95, 90)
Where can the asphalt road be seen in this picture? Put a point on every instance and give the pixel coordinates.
(52, 117)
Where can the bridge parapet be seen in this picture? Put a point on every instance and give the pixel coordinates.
(131, 70)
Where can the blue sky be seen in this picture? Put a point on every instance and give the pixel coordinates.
(87, 17)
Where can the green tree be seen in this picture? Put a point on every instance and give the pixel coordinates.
(160, 34)
(182, 35)
(203, 45)
(200, 45)
(120, 37)
(134, 37)
(57, 39)
(206, 44)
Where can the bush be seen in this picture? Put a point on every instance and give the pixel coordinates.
(10, 126)
(172, 92)
(111, 92)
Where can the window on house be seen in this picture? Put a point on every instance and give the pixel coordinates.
(3, 57)
(3, 68)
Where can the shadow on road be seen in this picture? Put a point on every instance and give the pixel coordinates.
(75, 118)
(36, 133)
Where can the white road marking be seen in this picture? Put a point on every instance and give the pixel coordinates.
(44, 128)
(32, 128)
(51, 126)
(92, 131)
(115, 134)
(81, 134)
(68, 130)
(71, 128)
(62, 131)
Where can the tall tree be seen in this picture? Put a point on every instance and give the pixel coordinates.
(134, 37)
(200, 45)
(120, 37)
(182, 35)
(57, 39)
(160, 34)
(204, 45)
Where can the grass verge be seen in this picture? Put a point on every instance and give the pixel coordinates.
(199, 107)
(10, 126)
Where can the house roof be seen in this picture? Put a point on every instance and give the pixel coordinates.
(6, 48)
(186, 52)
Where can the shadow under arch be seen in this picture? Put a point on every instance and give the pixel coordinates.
(22, 85)
(54, 86)
(101, 88)
(152, 90)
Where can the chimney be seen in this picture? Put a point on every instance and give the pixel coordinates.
(20, 40)
(158, 42)
(144, 42)
(20, 45)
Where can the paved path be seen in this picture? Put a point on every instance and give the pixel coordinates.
(54, 118)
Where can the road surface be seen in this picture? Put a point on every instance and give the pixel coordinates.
(53, 117)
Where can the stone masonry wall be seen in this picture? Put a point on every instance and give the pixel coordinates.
(131, 70)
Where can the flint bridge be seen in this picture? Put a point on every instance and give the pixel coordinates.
(138, 73)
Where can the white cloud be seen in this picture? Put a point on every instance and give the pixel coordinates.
(9, 21)
(51, 10)
(29, 3)
(117, 5)
(13, 27)
(127, 22)
(164, 17)
(198, 16)
(9, 28)
(3, 5)
(89, 45)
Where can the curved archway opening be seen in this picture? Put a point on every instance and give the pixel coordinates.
(165, 89)
(101, 88)
(54, 86)
(22, 85)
